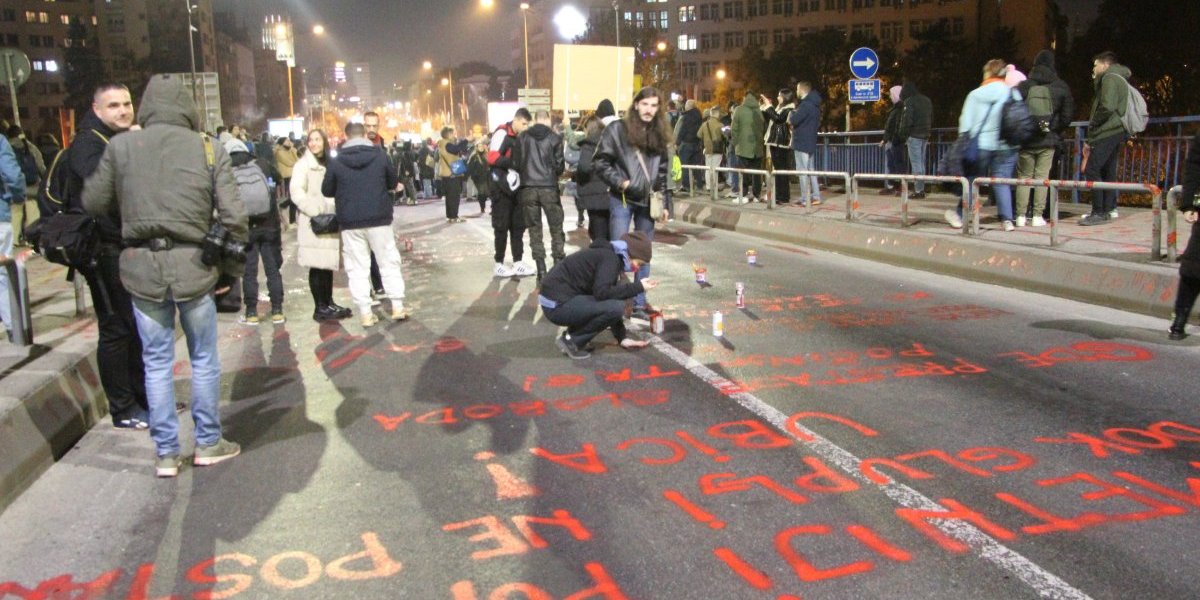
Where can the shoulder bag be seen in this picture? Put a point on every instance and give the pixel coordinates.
(656, 198)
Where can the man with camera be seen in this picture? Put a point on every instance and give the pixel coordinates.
(166, 182)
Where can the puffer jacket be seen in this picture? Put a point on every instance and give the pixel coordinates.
(285, 160)
(540, 153)
(616, 162)
(314, 251)
(983, 111)
(593, 192)
(779, 133)
(159, 181)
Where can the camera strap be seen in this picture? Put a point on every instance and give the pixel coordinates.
(210, 158)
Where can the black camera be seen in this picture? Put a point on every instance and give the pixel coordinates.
(218, 246)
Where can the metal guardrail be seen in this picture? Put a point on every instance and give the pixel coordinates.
(1054, 184)
(769, 183)
(21, 328)
(904, 180)
(850, 208)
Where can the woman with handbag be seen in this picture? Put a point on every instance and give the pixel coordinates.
(321, 253)
(451, 181)
(634, 159)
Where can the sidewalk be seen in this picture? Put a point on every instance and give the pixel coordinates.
(1107, 264)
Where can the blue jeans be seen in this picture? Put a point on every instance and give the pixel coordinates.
(810, 188)
(916, 159)
(997, 163)
(6, 248)
(427, 187)
(620, 215)
(156, 326)
(732, 161)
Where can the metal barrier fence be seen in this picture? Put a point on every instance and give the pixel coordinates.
(1173, 221)
(768, 184)
(21, 327)
(826, 175)
(904, 180)
(1054, 184)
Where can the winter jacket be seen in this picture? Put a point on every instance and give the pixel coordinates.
(83, 157)
(13, 179)
(1060, 92)
(917, 119)
(160, 182)
(891, 127)
(593, 192)
(477, 168)
(285, 160)
(779, 132)
(687, 128)
(1112, 94)
(748, 128)
(541, 157)
(425, 170)
(20, 146)
(710, 133)
(314, 251)
(616, 162)
(359, 180)
(597, 271)
(982, 112)
(1189, 261)
(1061, 103)
(264, 154)
(806, 121)
(445, 157)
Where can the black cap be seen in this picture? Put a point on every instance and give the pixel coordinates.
(639, 246)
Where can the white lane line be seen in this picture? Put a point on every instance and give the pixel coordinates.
(1045, 583)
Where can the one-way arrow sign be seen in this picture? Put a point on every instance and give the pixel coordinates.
(864, 63)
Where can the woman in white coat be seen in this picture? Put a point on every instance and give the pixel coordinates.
(322, 254)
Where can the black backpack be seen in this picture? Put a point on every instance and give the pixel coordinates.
(1017, 125)
(28, 165)
(64, 235)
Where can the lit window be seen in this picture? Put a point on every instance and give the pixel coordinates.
(30, 16)
(43, 17)
(38, 66)
(52, 66)
(66, 19)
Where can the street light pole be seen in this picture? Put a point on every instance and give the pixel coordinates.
(617, 20)
(192, 53)
(525, 20)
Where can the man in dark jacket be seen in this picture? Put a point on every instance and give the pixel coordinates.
(915, 125)
(165, 181)
(119, 352)
(358, 180)
(540, 163)
(586, 292)
(893, 145)
(806, 122)
(687, 140)
(1189, 261)
(508, 220)
(1049, 100)
(265, 235)
(1106, 134)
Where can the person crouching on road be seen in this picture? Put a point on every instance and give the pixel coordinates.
(265, 239)
(322, 254)
(586, 292)
(1189, 261)
(359, 180)
(158, 180)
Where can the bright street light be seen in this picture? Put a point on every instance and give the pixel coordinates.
(487, 3)
(427, 65)
(721, 74)
(662, 46)
(318, 29)
(445, 81)
(570, 22)
(524, 6)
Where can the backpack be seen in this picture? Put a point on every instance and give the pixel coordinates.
(718, 139)
(253, 189)
(1041, 106)
(28, 165)
(64, 235)
(1136, 116)
(1017, 125)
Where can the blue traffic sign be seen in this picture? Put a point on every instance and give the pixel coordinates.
(864, 63)
(864, 90)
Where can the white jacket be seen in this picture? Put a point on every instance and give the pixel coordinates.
(315, 251)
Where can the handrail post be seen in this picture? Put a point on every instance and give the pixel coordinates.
(21, 327)
(970, 197)
(1077, 176)
(1053, 215)
(852, 198)
(1156, 204)
(904, 203)
(770, 176)
(715, 178)
(1173, 222)
(80, 303)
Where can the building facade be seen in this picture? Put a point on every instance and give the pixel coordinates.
(40, 30)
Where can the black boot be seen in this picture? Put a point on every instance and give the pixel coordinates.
(325, 313)
(541, 268)
(1178, 326)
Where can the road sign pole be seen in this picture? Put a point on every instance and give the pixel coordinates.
(12, 89)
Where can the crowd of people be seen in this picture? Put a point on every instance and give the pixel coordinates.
(183, 221)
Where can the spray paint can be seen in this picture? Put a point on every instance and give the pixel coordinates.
(718, 324)
(741, 295)
(752, 257)
(408, 245)
(657, 325)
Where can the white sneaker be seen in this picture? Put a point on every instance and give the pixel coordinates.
(1037, 222)
(1112, 214)
(502, 270)
(523, 269)
(369, 320)
(1021, 221)
(953, 219)
(1008, 226)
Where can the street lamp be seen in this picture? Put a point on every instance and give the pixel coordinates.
(192, 54)
(487, 3)
(318, 29)
(525, 20)
(720, 74)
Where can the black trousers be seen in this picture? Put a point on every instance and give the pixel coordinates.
(320, 283)
(754, 182)
(119, 354)
(535, 201)
(598, 225)
(271, 254)
(508, 225)
(585, 317)
(452, 190)
(781, 160)
(1102, 166)
(1185, 298)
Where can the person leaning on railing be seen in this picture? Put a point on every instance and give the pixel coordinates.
(1189, 262)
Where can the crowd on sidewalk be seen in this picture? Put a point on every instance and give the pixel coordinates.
(181, 222)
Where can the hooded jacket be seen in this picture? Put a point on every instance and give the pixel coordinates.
(22, 145)
(1062, 104)
(806, 120)
(358, 180)
(917, 119)
(779, 132)
(687, 128)
(748, 128)
(891, 127)
(1112, 94)
(597, 271)
(616, 161)
(541, 157)
(593, 192)
(710, 133)
(83, 157)
(159, 181)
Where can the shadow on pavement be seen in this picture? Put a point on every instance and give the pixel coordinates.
(1104, 331)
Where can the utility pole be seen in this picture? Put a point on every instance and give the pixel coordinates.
(617, 20)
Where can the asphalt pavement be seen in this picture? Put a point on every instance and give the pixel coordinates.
(860, 430)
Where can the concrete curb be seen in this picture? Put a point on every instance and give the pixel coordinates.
(1147, 289)
(45, 408)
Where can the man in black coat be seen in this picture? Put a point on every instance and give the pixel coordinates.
(687, 139)
(119, 352)
(540, 163)
(915, 125)
(1189, 261)
(358, 180)
(586, 292)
